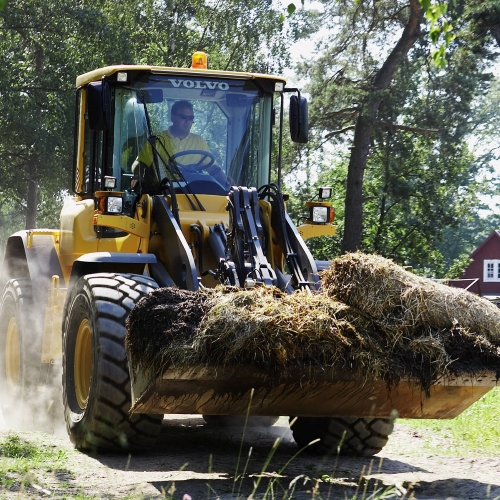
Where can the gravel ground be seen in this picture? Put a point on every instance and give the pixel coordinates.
(192, 458)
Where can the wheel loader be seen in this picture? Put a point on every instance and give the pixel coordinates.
(67, 292)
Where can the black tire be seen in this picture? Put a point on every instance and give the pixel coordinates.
(17, 361)
(96, 380)
(239, 421)
(362, 437)
(29, 385)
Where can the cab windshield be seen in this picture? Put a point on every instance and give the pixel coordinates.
(228, 123)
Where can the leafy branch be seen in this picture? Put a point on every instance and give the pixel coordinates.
(441, 29)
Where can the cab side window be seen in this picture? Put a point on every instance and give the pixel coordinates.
(89, 153)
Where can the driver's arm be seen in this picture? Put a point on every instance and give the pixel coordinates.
(142, 169)
(143, 165)
(216, 172)
(146, 174)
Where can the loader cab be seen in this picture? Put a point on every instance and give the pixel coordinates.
(122, 110)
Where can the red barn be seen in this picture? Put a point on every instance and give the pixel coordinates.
(485, 267)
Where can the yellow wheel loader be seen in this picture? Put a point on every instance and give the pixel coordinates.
(201, 216)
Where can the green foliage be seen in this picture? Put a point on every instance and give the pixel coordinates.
(422, 179)
(42, 48)
(458, 266)
(425, 181)
(440, 30)
(15, 447)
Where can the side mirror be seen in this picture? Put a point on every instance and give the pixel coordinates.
(299, 120)
(99, 105)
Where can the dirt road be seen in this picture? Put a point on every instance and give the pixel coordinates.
(214, 464)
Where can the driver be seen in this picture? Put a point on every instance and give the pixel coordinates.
(177, 138)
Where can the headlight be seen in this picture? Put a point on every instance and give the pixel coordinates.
(109, 182)
(321, 214)
(325, 193)
(114, 205)
(110, 205)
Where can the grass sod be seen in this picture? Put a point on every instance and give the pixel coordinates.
(475, 431)
(372, 317)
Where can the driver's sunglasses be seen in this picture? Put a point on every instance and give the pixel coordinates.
(185, 117)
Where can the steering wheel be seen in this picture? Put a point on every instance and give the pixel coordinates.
(198, 166)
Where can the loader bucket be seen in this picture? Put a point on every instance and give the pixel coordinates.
(238, 390)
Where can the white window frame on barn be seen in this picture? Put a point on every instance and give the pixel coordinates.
(491, 270)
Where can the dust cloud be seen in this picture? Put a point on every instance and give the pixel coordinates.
(41, 410)
(240, 429)
(30, 390)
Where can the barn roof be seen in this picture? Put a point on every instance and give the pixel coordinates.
(493, 235)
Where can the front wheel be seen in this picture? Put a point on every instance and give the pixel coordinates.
(96, 380)
(362, 437)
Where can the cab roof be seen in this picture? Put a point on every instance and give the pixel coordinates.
(97, 74)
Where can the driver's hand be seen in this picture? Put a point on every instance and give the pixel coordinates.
(216, 172)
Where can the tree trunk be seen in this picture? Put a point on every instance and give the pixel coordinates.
(364, 129)
(32, 204)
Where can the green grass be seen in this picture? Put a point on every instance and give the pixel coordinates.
(474, 430)
(21, 462)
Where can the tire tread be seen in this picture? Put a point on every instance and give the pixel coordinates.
(345, 436)
(110, 426)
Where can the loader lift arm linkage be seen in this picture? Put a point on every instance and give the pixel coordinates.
(245, 237)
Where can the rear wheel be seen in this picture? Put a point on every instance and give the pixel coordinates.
(29, 385)
(16, 361)
(362, 437)
(96, 380)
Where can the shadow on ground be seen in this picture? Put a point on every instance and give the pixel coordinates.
(229, 465)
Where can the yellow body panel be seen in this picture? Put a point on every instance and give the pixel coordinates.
(81, 144)
(307, 231)
(214, 213)
(79, 237)
(77, 230)
(96, 75)
(52, 337)
(123, 223)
